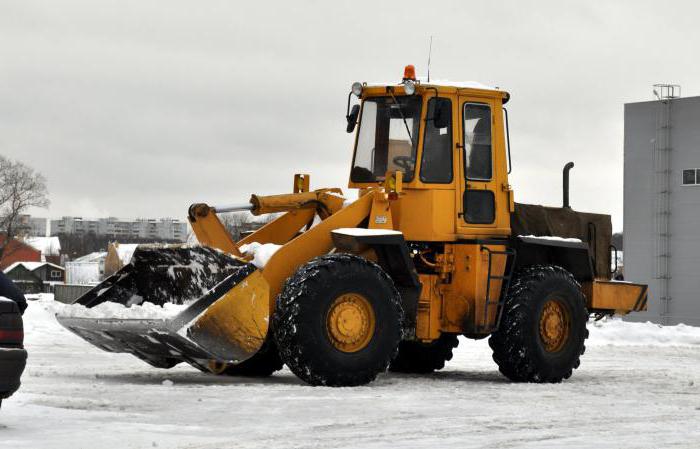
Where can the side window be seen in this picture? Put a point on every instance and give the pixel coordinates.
(691, 176)
(477, 141)
(436, 165)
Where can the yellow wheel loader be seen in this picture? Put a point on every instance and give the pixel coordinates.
(433, 247)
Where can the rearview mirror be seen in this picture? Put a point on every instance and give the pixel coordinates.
(442, 114)
(352, 118)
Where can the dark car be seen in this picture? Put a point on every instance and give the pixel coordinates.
(13, 356)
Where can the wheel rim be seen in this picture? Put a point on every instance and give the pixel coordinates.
(555, 325)
(350, 322)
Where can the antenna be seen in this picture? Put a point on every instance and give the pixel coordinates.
(430, 52)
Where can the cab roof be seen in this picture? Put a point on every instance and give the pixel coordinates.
(442, 83)
(374, 88)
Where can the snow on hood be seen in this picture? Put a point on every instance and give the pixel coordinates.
(551, 238)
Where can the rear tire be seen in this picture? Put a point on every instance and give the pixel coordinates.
(424, 358)
(338, 321)
(542, 334)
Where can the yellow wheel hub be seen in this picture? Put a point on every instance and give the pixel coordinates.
(555, 325)
(350, 322)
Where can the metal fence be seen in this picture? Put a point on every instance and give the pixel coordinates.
(68, 293)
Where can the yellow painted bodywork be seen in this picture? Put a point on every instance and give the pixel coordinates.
(238, 320)
(617, 297)
(455, 300)
(210, 231)
(453, 297)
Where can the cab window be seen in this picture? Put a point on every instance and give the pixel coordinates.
(387, 139)
(477, 141)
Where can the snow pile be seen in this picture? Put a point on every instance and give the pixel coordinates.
(261, 252)
(550, 238)
(617, 332)
(144, 310)
(361, 232)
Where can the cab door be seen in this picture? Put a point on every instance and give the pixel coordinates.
(478, 187)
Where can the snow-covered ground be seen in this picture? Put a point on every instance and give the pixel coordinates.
(638, 387)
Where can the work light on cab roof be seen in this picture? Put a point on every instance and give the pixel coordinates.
(409, 79)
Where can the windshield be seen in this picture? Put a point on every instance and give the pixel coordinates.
(387, 138)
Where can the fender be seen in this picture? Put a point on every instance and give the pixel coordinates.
(393, 256)
(573, 256)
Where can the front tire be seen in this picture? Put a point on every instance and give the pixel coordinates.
(338, 321)
(542, 334)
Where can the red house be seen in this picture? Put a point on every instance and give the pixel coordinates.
(17, 251)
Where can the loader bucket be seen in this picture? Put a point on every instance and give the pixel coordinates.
(222, 314)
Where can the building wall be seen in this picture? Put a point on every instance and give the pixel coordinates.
(148, 228)
(25, 280)
(83, 273)
(640, 193)
(16, 251)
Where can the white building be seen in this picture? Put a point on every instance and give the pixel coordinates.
(86, 270)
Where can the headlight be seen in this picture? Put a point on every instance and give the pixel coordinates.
(409, 87)
(356, 89)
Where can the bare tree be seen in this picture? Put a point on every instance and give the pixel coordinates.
(236, 223)
(20, 188)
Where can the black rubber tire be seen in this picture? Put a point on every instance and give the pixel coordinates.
(299, 321)
(517, 346)
(263, 364)
(424, 358)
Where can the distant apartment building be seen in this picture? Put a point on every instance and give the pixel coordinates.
(29, 226)
(145, 228)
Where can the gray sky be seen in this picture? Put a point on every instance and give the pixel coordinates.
(138, 108)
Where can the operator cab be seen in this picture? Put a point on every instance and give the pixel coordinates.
(445, 139)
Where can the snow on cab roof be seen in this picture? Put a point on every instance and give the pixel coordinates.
(443, 83)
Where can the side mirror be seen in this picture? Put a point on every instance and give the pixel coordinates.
(442, 115)
(352, 118)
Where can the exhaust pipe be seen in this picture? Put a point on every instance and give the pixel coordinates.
(567, 168)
